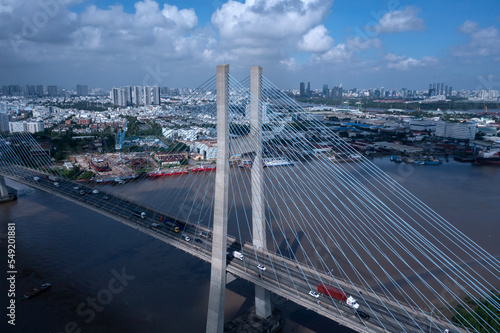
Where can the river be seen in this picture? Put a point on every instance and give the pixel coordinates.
(145, 285)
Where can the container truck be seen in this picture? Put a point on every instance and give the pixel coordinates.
(338, 295)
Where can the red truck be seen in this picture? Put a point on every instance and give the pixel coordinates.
(338, 294)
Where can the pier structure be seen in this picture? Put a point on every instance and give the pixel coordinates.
(5, 193)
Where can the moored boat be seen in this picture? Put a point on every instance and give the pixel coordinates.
(35, 291)
(488, 157)
(203, 168)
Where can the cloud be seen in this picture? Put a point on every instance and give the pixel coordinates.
(401, 20)
(483, 42)
(272, 26)
(358, 44)
(290, 64)
(102, 44)
(404, 63)
(340, 54)
(316, 40)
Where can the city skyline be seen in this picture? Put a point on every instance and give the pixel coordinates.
(174, 43)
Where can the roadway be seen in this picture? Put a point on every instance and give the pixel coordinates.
(282, 276)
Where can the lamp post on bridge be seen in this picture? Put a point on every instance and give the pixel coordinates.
(430, 318)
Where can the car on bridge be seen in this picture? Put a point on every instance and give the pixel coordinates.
(363, 315)
(186, 237)
(261, 267)
(313, 294)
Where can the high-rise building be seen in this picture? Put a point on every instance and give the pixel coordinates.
(302, 89)
(82, 90)
(147, 95)
(432, 89)
(335, 92)
(127, 96)
(442, 89)
(4, 122)
(12, 90)
(156, 95)
(404, 93)
(116, 96)
(52, 91)
(39, 90)
(325, 91)
(29, 90)
(308, 91)
(137, 96)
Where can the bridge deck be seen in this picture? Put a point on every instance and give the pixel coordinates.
(282, 273)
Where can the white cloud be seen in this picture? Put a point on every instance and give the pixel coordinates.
(468, 27)
(339, 54)
(184, 19)
(483, 42)
(358, 44)
(290, 64)
(404, 63)
(316, 40)
(401, 20)
(269, 29)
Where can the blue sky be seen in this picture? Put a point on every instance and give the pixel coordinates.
(178, 43)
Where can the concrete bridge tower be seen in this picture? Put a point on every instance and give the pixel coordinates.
(215, 318)
(263, 306)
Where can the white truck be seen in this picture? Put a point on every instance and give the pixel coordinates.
(238, 255)
(142, 215)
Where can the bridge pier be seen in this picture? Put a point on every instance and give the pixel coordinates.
(5, 194)
(215, 317)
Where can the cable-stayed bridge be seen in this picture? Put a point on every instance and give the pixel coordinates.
(331, 218)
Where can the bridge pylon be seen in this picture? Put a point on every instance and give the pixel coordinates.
(263, 306)
(215, 318)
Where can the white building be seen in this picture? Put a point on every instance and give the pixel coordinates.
(147, 95)
(206, 148)
(156, 96)
(188, 134)
(35, 126)
(169, 133)
(137, 96)
(422, 125)
(17, 126)
(116, 96)
(461, 131)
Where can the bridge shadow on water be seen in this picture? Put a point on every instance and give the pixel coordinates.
(289, 249)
